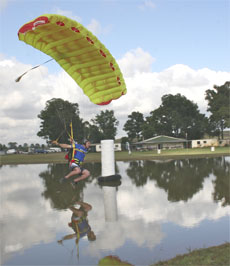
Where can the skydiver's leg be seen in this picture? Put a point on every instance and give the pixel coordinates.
(75, 171)
(84, 175)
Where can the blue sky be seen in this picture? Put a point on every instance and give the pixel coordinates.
(161, 47)
(188, 32)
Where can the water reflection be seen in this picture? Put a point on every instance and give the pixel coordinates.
(136, 221)
(222, 181)
(80, 224)
(110, 203)
(62, 195)
(182, 179)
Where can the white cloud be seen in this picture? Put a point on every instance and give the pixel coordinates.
(136, 61)
(20, 103)
(66, 13)
(95, 27)
(147, 4)
(3, 4)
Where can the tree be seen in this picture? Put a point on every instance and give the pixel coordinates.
(218, 105)
(56, 119)
(12, 145)
(25, 147)
(92, 132)
(107, 124)
(124, 141)
(134, 125)
(177, 117)
(3, 147)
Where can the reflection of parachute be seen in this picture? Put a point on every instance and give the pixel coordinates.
(79, 52)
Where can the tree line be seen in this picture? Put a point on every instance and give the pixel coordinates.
(21, 147)
(176, 116)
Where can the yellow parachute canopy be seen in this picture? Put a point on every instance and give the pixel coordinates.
(79, 53)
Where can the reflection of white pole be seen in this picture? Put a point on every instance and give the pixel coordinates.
(110, 204)
(108, 169)
(107, 157)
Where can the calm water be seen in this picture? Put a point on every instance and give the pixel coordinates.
(161, 209)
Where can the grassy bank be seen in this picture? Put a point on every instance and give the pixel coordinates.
(119, 156)
(218, 255)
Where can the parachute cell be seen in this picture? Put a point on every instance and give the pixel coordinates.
(79, 53)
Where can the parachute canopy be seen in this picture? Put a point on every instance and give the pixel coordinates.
(79, 53)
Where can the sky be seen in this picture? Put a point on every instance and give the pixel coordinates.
(162, 47)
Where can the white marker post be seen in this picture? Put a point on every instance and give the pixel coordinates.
(107, 157)
(108, 169)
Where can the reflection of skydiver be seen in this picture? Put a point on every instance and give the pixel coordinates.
(79, 223)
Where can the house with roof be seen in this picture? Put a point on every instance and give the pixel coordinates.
(212, 142)
(161, 142)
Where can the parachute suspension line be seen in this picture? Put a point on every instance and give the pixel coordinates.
(72, 139)
(62, 119)
(19, 78)
(57, 139)
(71, 129)
(78, 238)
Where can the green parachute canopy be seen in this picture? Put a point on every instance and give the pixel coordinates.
(79, 53)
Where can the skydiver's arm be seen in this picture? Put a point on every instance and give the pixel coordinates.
(66, 238)
(65, 146)
(62, 145)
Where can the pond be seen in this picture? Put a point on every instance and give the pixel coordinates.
(160, 209)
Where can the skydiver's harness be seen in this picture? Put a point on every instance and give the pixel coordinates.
(81, 228)
(80, 225)
(70, 156)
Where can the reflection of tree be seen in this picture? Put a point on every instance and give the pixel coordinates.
(181, 179)
(222, 182)
(136, 172)
(63, 195)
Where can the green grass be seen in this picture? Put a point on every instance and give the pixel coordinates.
(218, 256)
(119, 156)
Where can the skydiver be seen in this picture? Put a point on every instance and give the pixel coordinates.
(75, 164)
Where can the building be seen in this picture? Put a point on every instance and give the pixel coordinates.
(214, 142)
(161, 142)
(117, 147)
(202, 143)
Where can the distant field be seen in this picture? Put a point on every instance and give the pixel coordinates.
(119, 156)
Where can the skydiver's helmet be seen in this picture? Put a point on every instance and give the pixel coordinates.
(85, 140)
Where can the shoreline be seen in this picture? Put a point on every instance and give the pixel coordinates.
(214, 255)
(10, 159)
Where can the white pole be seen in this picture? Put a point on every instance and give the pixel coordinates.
(107, 157)
(110, 204)
(108, 169)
